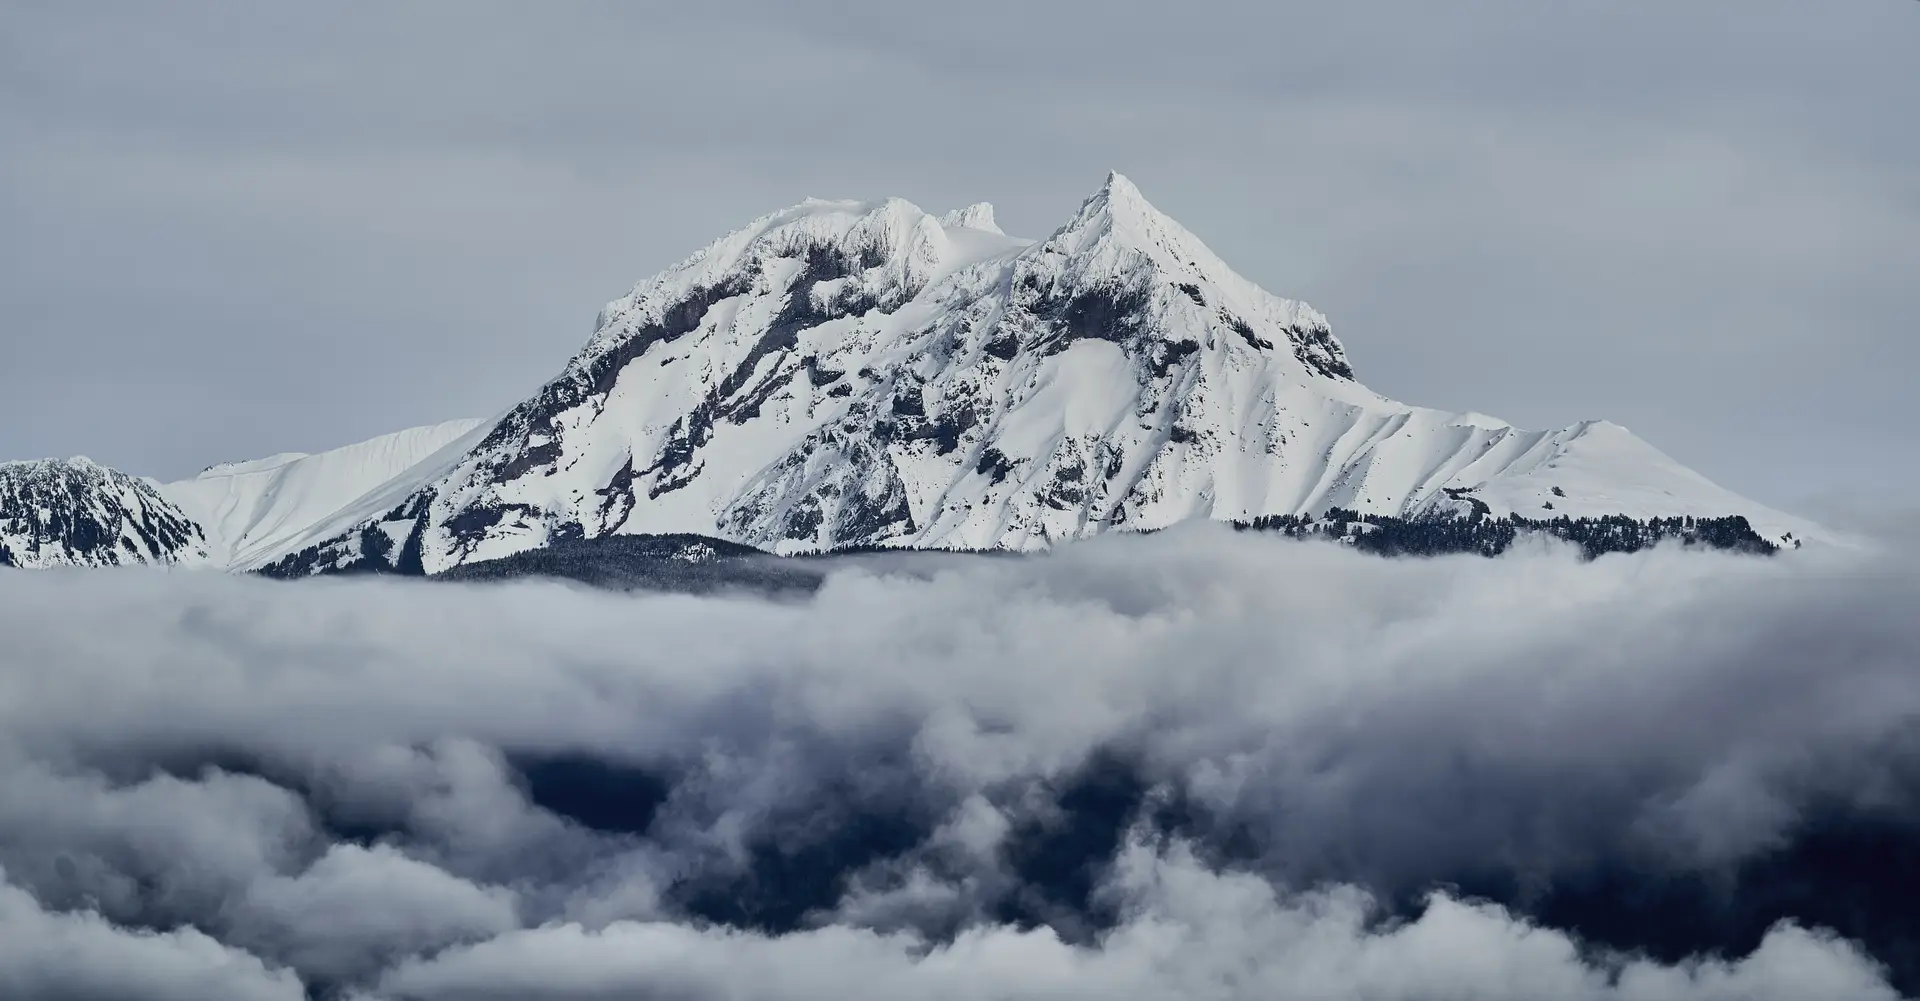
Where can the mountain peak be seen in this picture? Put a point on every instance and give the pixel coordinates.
(1119, 199)
(978, 216)
(1118, 188)
(1116, 225)
(1119, 244)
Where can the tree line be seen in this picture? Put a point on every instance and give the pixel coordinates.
(1442, 534)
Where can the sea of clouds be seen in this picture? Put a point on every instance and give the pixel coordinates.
(1198, 764)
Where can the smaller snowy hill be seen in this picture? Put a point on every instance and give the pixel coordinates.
(76, 512)
(253, 509)
(233, 515)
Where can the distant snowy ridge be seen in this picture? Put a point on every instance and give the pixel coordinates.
(76, 512)
(842, 374)
(255, 510)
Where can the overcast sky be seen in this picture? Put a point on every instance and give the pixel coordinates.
(231, 229)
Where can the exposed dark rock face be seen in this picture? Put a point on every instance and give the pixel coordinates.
(1318, 351)
(994, 464)
(1113, 313)
(880, 513)
(1245, 330)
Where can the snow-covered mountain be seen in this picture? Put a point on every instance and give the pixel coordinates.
(76, 512)
(868, 374)
(846, 374)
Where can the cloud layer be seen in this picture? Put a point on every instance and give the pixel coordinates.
(1197, 764)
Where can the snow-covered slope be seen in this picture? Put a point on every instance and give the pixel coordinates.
(76, 512)
(233, 515)
(847, 374)
(254, 509)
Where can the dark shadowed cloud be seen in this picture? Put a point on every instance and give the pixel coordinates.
(1194, 764)
(231, 230)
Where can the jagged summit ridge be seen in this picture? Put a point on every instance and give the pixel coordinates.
(866, 373)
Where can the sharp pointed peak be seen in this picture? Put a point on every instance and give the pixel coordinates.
(1118, 204)
(1119, 194)
(1118, 213)
(1118, 184)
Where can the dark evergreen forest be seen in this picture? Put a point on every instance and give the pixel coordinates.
(1487, 535)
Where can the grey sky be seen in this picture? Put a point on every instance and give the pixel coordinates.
(231, 229)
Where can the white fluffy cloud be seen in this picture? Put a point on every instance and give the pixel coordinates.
(50, 955)
(1192, 935)
(356, 907)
